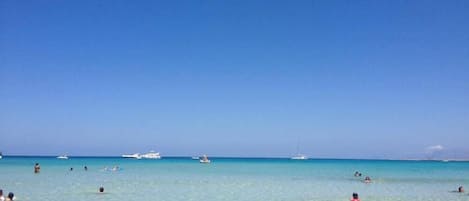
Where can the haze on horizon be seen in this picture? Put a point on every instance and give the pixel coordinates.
(342, 79)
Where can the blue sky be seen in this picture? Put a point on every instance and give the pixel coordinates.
(345, 79)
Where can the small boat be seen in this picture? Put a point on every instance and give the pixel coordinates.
(151, 155)
(1, 155)
(62, 157)
(204, 159)
(195, 158)
(136, 156)
(299, 157)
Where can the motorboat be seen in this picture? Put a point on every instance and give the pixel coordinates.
(151, 155)
(136, 156)
(204, 159)
(62, 157)
(195, 158)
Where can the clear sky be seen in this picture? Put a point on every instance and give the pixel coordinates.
(345, 79)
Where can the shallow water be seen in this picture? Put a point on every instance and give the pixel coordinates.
(232, 179)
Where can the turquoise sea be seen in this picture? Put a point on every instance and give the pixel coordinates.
(243, 179)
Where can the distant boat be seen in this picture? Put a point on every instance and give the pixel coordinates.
(204, 159)
(1, 155)
(299, 157)
(136, 156)
(62, 157)
(195, 158)
(151, 155)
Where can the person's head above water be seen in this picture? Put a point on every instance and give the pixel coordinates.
(461, 189)
(355, 197)
(101, 189)
(11, 195)
(1, 192)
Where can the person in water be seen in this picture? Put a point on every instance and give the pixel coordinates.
(86, 168)
(101, 189)
(37, 168)
(357, 174)
(1, 195)
(71, 169)
(367, 179)
(461, 189)
(355, 197)
(11, 197)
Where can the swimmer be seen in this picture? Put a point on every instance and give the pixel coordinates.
(461, 189)
(355, 197)
(367, 179)
(101, 189)
(1, 195)
(11, 197)
(86, 168)
(356, 173)
(71, 169)
(37, 168)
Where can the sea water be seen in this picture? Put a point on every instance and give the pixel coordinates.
(233, 179)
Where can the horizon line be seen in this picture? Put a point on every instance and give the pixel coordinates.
(247, 157)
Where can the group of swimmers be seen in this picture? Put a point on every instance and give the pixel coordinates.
(368, 180)
(10, 196)
(359, 174)
(37, 169)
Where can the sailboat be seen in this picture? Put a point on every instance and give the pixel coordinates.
(299, 156)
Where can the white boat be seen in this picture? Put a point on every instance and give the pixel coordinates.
(62, 157)
(136, 156)
(204, 159)
(195, 158)
(1, 155)
(299, 157)
(151, 155)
